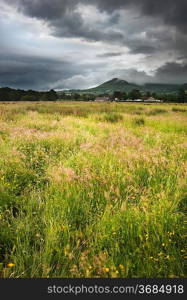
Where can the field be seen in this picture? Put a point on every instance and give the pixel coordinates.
(92, 189)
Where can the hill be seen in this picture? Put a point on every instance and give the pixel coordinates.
(112, 85)
(121, 85)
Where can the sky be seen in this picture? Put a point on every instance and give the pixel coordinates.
(64, 44)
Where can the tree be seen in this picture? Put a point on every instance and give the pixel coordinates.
(49, 96)
(148, 94)
(125, 96)
(4, 94)
(117, 95)
(182, 96)
(76, 96)
(28, 97)
(14, 95)
(154, 95)
(135, 94)
(52, 95)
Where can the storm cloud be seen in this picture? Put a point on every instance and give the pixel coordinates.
(172, 72)
(78, 43)
(110, 54)
(33, 72)
(169, 11)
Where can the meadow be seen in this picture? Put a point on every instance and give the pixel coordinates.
(92, 189)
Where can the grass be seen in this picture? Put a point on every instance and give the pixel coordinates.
(92, 190)
(112, 117)
(139, 121)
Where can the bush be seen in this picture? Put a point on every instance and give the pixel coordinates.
(113, 117)
(176, 109)
(29, 98)
(139, 121)
(156, 111)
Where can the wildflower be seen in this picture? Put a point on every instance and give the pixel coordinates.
(121, 267)
(163, 244)
(172, 276)
(106, 270)
(10, 265)
(156, 259)
(171, 233)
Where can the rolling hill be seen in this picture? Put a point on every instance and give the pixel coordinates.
(121, 85)
(112, 85)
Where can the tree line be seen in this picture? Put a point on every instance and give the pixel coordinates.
(9, 94)
(179, 96)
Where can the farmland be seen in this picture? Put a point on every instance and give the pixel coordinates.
(92, 189)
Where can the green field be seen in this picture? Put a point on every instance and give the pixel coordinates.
(92, 189)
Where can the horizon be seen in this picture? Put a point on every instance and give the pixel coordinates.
(71, 89)
(64, 45)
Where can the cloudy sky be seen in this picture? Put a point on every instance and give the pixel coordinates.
(64, 44)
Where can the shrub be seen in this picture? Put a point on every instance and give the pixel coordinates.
(156, 111)
(113, 117)
(28, 98)
(139, 121)
(176, 109)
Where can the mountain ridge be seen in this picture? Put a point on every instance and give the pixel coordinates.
(117, 84)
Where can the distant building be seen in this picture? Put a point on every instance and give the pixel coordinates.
(151, 99)
(101, 99)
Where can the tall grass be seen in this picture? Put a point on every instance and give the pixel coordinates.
(90, 190)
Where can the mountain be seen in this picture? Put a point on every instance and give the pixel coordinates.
(112, 85)
(121, 85)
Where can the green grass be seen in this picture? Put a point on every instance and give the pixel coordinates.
(92, 190)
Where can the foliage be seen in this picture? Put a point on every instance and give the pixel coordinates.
(139, 121)
(8, 94)
(92, 190)
(112, 117)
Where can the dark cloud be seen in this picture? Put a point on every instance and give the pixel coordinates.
(67, 28)
(172, 73)
(110, 54)
(155, 28)
(33, 71)
(44, 9)
(143, 49)
(42, 73)
(170, 11)
(66, 21)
